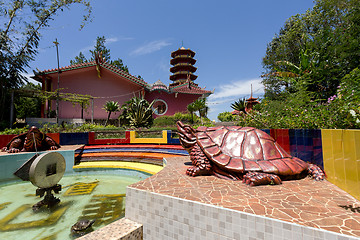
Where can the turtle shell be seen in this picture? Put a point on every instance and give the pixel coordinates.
(244, 149)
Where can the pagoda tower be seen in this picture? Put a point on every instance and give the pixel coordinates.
(183, 66)
(251, 102)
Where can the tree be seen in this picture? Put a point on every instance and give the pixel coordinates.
(22, 22)
(78, 59)
(191, 108)
(28, 106)
(110, 106)
(119, 64)
(318, 47)
(100, 48)
(200, 105)
(105, 54)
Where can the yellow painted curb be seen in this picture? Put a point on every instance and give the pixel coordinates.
(134, 139)
(142, 167)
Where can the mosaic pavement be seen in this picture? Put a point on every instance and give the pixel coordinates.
(305, 202)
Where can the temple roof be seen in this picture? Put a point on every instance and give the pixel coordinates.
(105, 65)
(189, 88)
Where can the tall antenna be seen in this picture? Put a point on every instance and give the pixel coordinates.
(182, 43)
(58, 81)
(251, 91)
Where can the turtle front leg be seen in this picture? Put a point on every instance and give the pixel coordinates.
(316, 172)
(52, 145)
(260, 178)
(201, 164)
(15, 146)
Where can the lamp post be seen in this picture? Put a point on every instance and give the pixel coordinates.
(58, 81)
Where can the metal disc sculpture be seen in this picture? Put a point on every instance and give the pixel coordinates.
(241, 153)
(44, 171)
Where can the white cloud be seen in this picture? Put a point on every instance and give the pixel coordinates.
(111, 40)
(238, 89)
(27, 75)
(224, 95)
(150, 47)
(86, 49)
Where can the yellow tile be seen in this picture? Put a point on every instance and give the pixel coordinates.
(134, 139)
(338, 152)
(357, 162)
(351, 175)
(328, 157)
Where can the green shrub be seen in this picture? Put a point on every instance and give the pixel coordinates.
(185, 117)
(165, 121)
(9, 131)
(227, 117)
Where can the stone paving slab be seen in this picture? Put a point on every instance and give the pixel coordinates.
(305, 202)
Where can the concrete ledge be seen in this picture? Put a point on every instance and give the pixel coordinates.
(122, 229)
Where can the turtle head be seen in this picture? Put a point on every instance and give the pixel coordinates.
(186, 135)
(33, 139)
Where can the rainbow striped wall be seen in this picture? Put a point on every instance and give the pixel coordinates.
(336, 151)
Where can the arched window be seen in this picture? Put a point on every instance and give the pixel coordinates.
(160, 107)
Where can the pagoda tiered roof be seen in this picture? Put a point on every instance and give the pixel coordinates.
(188, 88)
(183, 66)
(183, 51)
(182, 69)
(182, 76)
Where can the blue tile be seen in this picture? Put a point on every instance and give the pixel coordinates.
(170, 139)
(317, 144)
(266, 130)
(74, 138)
(292, 140)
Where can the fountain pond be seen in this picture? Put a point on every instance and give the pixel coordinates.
(89, 193)
(93, 195)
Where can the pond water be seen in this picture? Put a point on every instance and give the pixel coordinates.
(97, 196)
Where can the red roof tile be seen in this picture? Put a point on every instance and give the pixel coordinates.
(91, 64)
(192, 89)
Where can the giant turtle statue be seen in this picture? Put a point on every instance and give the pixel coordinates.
(241, 153)
(31, 141)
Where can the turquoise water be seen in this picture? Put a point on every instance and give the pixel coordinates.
(97, 196)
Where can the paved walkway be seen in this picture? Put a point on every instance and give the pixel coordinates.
(306, 202)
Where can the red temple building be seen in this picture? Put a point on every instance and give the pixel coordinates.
(104, 82)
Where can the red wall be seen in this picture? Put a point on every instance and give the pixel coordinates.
(175, 104)
(110, 87)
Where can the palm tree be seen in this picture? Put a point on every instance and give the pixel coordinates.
(239, 106)
(110, 106)
(200, 105)
(191, 109)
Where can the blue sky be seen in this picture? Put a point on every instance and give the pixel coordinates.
(229, 38)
